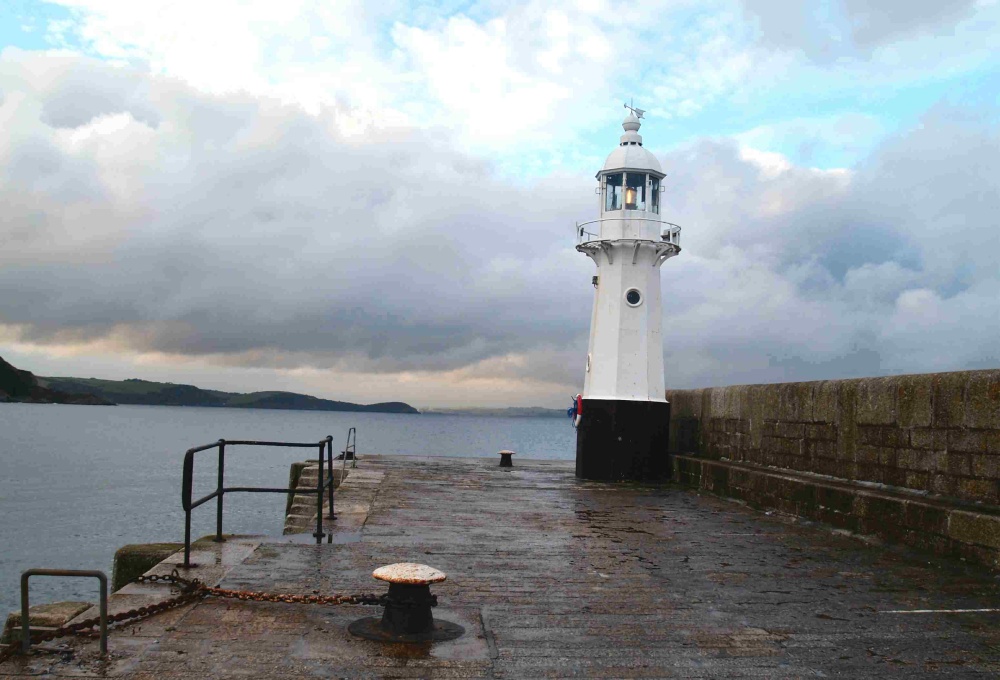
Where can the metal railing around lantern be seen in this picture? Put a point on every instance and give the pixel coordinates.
(669, 233)
(323, 483)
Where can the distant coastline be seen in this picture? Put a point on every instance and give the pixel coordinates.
(22, 386)
(509, 412)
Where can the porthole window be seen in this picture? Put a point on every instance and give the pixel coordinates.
(633, 297)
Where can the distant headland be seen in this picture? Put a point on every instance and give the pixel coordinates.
(22, 386)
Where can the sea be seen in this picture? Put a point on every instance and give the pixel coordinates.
(78, 482)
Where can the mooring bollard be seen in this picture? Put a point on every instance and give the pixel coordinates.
(505, 458)
(407, 616)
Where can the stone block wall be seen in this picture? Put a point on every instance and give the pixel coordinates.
(937, 433)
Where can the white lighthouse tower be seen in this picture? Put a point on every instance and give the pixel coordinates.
(622, 432)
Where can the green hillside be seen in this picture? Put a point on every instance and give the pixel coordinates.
(134, 391)
(22, 386)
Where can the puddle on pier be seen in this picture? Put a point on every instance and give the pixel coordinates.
(334, 538)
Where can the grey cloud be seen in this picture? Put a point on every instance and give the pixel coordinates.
(251, 233)
(895, 263)
(874, 22)
(255, 226)
(827, 30)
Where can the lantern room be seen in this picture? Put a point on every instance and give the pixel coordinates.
(631, 177)
(630, 184)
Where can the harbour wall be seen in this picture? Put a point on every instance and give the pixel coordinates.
(912, 458)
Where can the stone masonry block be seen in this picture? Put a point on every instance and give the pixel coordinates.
(984, 490)
(959, 464)
(885, 511)
(905, 458)
(968, 441)
(50, 615)
(928, 518)
(731, 401)
(876, 401)
(716, 403)
(769, 398)
(745, 402)
(134, 560)
(882, 435)
(949, 399)
(870, 473)
(754, 411)
(993, 441)
(684, 435)
(944, 485)
(887, 457)
(985, 465)
(920, 481)
(914, 400)
(917, 460)
(982, 405)
(685, 403)
(929, 438)
(820, 449)
(826, 466)
(893, 475)
(977, 528)
(825, 402)
(823, 431)
(795, 402)
(839, 500)
(867, 455)
(894, 436)
(790, 430)
(705, 410)
(847, 424)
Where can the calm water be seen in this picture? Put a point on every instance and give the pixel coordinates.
(78, 482)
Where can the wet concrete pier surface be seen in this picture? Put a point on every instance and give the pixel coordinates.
(555, 577)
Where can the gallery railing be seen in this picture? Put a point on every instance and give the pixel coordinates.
(323, 483)
(587, 232)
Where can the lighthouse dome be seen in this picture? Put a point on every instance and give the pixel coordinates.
(630, 154)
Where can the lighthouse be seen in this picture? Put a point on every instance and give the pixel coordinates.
(624, 415)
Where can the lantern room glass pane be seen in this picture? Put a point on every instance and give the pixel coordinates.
(654, 194)
(613, 192)
(635, 191)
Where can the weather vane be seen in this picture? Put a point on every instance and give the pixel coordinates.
(638, 112)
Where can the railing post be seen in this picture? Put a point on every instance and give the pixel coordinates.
(186, 484)
(319, 497)
(218, 501)
(187, 540)
(25, 626)
(329, 464)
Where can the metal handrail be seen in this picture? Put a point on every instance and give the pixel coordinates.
(25, 605)
(350, 447)
(322, 483)
(672, 230)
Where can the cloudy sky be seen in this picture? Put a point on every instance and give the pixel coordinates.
(375, 200)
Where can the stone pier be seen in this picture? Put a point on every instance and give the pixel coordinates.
(551, 576)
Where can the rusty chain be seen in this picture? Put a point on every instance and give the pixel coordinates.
(194, 589)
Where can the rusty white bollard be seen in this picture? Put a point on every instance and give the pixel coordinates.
(407, 616)
(505, 458)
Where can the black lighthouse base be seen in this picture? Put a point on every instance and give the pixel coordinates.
(619, 440)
